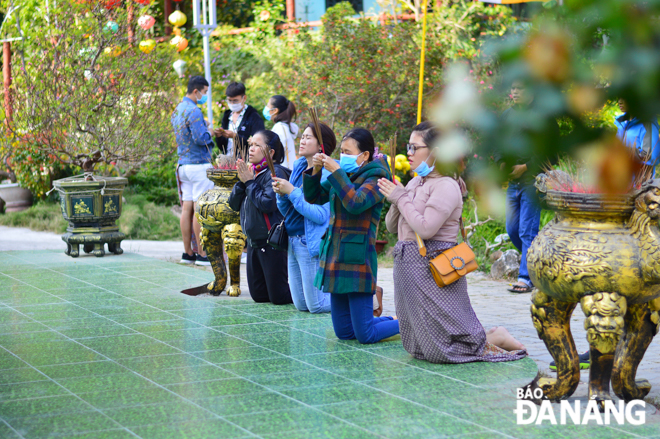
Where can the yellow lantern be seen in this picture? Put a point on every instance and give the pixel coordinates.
(147, 46)
(179, 42)
(177, 18)
(112, 51)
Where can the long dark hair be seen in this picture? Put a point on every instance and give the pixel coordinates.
(329, 139)
(364, 139)
(428, 131)
(273, 141)
(286, 111)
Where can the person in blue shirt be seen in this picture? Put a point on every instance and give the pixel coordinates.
(305, 223)
(642, 137)
(194, 145)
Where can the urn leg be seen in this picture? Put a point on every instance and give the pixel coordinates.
(212, 244)
(75, 250)
(604, 324)
(234, 239)
(552, 322)
(98, 250)
(641, 325)
(87, 248)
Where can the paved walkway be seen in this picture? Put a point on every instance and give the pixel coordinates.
(492, 303)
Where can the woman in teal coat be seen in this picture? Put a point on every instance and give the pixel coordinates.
(348, 262)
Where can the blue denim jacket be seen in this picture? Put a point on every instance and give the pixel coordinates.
(194, 143)
(316, 217)
(641, 136)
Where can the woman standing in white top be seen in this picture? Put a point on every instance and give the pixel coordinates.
(282, 111)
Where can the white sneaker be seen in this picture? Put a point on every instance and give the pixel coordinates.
(244, 258)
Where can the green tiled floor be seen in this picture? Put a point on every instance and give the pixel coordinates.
(109, 348)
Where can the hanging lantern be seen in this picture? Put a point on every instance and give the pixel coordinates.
(87, 52)
(177, 18)
(180, 67)
(112, 51)
(146, 22)
(147, 46)
(111, 27)
(179, 42)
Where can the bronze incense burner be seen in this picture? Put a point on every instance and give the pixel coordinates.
(221, 228)
(603, 252)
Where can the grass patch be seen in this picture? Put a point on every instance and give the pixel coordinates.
(140, 219)
(42, 217)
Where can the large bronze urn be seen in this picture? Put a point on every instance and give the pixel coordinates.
(603, 252)
(91, 208)
(221, 228)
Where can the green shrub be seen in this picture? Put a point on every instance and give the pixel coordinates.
(156, 181)
(143, 219)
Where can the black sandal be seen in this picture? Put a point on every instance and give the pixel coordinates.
(520, 289)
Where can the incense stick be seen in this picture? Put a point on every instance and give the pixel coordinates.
(269, 159)
(317, 127)
(393, 156)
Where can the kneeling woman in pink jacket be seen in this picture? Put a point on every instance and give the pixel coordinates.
(437, 324)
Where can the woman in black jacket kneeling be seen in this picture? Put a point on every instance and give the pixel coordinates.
(254, 197)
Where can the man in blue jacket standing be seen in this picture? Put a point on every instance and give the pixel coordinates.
(194, 144)
(642, 137)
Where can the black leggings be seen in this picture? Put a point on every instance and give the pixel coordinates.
(267, 275)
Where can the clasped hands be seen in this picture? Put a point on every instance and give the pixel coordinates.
(321, 161)
(387, 186)
(245, 173)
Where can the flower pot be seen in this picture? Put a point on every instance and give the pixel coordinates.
(91, 208)
(603, 253)
(16, 198)
(380, 246)
(221, 228)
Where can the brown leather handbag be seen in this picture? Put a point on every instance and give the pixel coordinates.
(452, 264)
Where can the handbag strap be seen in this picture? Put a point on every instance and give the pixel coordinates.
(267, 220)
(422, 246)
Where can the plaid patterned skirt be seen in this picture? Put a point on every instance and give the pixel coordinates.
(438, 324)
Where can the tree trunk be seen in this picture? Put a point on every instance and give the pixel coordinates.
(167, 10)
(6, 76)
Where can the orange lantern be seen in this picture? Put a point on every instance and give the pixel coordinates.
(179, 42)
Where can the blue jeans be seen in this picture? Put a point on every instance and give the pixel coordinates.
(353, 317)
(523, 215)
(302, 271)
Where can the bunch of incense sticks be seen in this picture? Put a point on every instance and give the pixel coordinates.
(225, 162)
(317, 127)
(269, 160)
(240, 150)
(393, 156)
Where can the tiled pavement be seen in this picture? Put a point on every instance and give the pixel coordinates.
(109, 348)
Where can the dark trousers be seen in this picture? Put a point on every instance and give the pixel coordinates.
(267, 276)
(353, 318)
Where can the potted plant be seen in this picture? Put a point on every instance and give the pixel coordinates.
(85, 93)
(14, 197)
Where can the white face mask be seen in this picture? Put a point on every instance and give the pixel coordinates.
(235, 107)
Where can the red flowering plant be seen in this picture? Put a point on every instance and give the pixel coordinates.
(84, 94)
(365, 73)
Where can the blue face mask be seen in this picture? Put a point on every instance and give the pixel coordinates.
(349, 163)
(266, 113)
(202, 101)
(424, 169)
